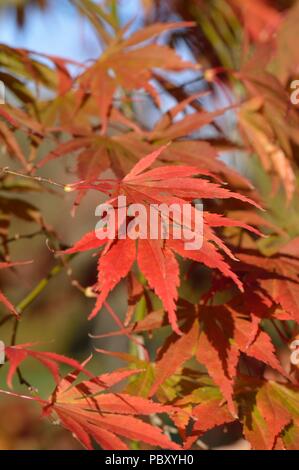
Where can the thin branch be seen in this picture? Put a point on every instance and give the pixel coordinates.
(23, 381)
(6, 319)
(39, 179)
(30, 298)
(14, 331)
(27, 236)
(25, 303)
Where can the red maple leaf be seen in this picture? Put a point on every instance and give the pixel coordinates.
(90, 412)
(156, 258)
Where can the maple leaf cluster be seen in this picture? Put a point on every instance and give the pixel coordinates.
(211, 329)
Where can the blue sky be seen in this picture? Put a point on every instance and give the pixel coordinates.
(59, 31)
(63, 32)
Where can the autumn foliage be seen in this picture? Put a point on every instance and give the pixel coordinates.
(209, 330)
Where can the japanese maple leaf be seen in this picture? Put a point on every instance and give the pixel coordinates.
(17, 354)
(97, 153)
(128, 64)
(261, 20)
(156, 257)
(290, 436)
(3, 299)
(173, 357)
(263, 121)
(208, 409)
(226, 331)
(91, 413)
(267, 410)
(277, 276)
(287, 57)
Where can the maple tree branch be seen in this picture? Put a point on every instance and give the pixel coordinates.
(14, 331)
(39, 179)
(25, 303)
(38, 289)
(5, 319)
(29, 299)
(23, 381)
(27, 236)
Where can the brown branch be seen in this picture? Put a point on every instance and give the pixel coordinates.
(6, 319)
(39, 179)
(27, 236)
